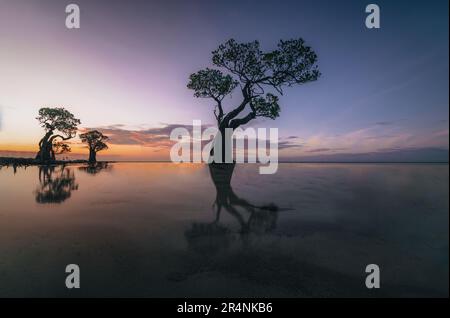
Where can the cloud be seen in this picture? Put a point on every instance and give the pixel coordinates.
(157, 137)
(384, 123)
(382, 141)
(376, 137)
(382, 155)
(380, 137)
(286, 144)
(319, 150)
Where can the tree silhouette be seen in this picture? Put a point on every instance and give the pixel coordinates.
(59, 148)
(259, 75)
(211, 238)
(96, 142)
(58, 123)
(94, 168)
(56, 184)
(261, 218)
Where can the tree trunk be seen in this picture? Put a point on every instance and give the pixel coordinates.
(45, 148)
(92, 156)
(45, 152)
(225, 151)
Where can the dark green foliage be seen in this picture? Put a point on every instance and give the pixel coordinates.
(58, 123)
(95, 141)
(60, 148)
(266, 107)
(255, 71)
(58, 119)
(211, 83)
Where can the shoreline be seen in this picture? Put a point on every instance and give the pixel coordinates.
(9, 161)
(19, 162)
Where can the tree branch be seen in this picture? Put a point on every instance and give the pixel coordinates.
(62, 137)
(219, 106)
(235, 123)
(247, 98)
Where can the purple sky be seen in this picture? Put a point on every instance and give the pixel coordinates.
(383, 93)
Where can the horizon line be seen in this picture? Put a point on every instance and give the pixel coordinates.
(168, 161)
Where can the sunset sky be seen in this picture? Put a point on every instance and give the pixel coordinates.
(383, 93)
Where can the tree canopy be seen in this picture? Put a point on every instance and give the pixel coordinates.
(95, 140)
(260, 76)
(58, 119)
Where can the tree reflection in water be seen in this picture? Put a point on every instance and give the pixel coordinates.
(94, 168)
(56, 184)
(252, 219)
(216, 246)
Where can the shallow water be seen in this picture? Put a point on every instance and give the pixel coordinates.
(152, 230)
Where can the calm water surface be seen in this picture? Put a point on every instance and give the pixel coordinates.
(163, 230)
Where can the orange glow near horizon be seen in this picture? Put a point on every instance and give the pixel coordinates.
(115, 152)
